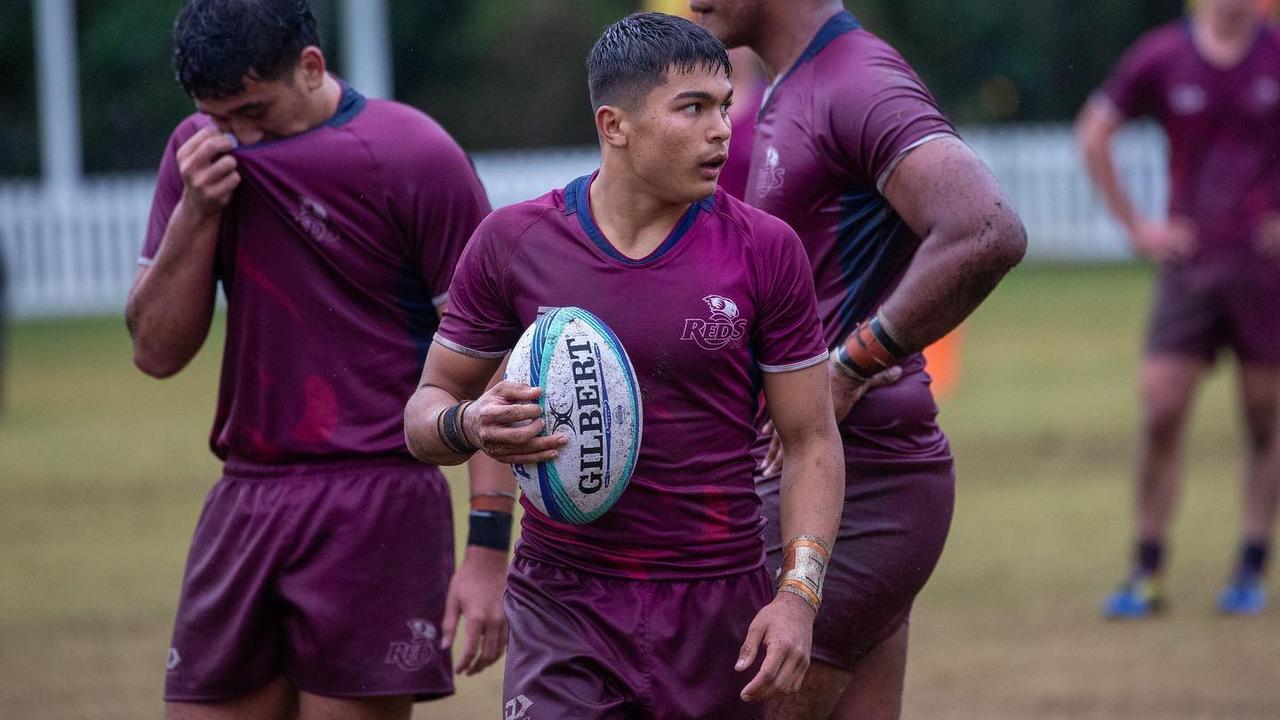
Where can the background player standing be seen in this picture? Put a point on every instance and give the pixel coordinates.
(1213, 82)
(315, 583)
(907, 233)
(660, 607)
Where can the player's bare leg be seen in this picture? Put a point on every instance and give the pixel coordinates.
(817, 697)
(1168, 387)
(277, 700)
(1169, 383)
(1246, 594)
(873, 691)
(317, 707)
(1260, 394)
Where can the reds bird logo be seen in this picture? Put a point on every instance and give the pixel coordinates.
(724, 325)
(771, 175)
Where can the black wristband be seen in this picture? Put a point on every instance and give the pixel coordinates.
(451, 432)
(489, 529)
(877, 328)
(842, 360)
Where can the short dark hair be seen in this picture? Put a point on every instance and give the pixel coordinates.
(216, 43)
(634, 55)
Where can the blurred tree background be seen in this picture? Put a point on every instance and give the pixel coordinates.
(509, 73)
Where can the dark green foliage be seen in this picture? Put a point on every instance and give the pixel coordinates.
(511, 73)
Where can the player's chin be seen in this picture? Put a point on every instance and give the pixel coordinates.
(705, 178)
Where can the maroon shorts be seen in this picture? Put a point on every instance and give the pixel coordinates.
(899, 497)
(1208, 304)
(333, 576)
(594, 648)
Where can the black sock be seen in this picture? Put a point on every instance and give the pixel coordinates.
(1149, 555)
(1253, 557)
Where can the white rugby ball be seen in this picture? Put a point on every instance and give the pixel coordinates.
(590, 394)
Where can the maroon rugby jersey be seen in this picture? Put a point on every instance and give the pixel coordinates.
(830, 132)
(727, 296)
(333, 254)
(1223, 126)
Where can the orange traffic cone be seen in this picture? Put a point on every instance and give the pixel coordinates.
(943, 362)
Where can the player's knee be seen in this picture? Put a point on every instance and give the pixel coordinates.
(1164, 408)
(1162, 421)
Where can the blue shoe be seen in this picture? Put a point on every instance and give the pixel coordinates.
(1244, 596)
(1138, 597)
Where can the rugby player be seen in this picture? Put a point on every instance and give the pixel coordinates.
(661, 608)
(907, 233)
(1212, 81)
(316, 580)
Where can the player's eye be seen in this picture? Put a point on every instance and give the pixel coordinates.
(693, 109)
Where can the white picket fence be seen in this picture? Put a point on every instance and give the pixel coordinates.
(76, 252)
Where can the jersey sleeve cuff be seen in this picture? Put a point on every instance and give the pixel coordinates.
(441, 299)
(481, 354)
(145, 261)
(897, 159)
(792, 367)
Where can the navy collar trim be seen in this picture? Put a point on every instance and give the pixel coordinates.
(351, 104)
(839, 24)
(577, 201)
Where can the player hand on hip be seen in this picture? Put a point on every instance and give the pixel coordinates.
(846, 390)
(845, 393)
(785, 628)
(506, 421)
(475, 593)
(1165, 241)
(208, 171)
(1268, 241)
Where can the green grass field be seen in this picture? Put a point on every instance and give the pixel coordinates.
(102, 473)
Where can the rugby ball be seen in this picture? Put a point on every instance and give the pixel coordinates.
(590, 394)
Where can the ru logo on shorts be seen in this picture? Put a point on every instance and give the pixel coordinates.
(517, 709)
(724, 325)
(418, 651)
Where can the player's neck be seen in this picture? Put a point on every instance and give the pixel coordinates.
(630, 215)
(325, 101)
(789, 34)
(1223, 41)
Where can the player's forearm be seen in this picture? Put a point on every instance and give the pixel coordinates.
(490, 478)
(492, 502)
(954, 270)
(422, 427)
(1101, 166)
(170, 306)
(812, 484)
(1095, 132)
(812, 502)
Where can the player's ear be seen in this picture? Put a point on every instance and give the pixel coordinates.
(311, 67)
(611, 125)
